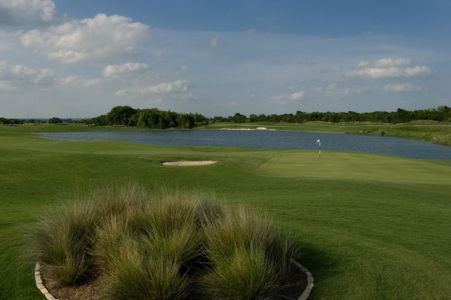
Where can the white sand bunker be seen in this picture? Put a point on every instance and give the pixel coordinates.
(189, 163)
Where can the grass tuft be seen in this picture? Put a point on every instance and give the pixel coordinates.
(244, 229)
(162, 246)
(246, 274)
(140, 275)
(63, 242)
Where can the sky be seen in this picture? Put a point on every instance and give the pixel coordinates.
(79, 58)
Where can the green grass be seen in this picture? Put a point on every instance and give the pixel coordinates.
(369, 226)
(436, 132)
(358, 167)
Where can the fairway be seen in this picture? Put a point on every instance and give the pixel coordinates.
(368, 226)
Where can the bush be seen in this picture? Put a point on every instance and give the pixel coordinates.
(246, 274)
(63, 243)
(243, 229)
(143, 275)
(164, 246)
(55, 120)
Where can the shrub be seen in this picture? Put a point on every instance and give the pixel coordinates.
(111, 238)
(162, 246)
(63, 243)
(141, 275)
(246, 274)
(243, 229)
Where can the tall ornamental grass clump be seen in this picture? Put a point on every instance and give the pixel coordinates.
(169, 245)
(63, 243)
(248, 255)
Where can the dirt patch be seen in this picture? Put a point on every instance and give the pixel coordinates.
(93, 289)
(293, 285)
(188, 163)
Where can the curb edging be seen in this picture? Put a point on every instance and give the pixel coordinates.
(40, 284)
(310, 281)
(304, 296)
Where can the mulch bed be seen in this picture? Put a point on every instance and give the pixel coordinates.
(94, 289)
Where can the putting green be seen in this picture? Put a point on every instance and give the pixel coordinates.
(358, 166)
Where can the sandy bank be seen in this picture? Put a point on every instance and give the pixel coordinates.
(188, 163)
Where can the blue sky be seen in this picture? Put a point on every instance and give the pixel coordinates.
(79, 58)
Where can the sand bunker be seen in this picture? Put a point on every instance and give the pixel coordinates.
(188, 163)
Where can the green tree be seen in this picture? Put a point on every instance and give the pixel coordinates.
(121, 115)
(55, 120)
(239, 118)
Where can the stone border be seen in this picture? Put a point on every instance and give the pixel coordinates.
(40, 283)
(304, 296)
(310, 282)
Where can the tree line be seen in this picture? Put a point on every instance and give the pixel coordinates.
(160, 119)
(53, 120)
(152, 118)
(442, 113)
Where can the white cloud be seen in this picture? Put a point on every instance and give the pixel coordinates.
(214, 42)
(402, 88)
(333, 89)
(127, 68)
(100, 38)
(78, 81)
(327, 89)
(297, 95)
(174, 87)
(294, 97)
(388, 68)
(16, 77)
(17, 12)
(19, 78)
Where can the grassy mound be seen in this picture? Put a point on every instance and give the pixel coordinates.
(167, 246)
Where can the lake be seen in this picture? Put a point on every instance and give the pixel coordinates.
(267, 140)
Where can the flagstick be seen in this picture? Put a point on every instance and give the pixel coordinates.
(318, 141)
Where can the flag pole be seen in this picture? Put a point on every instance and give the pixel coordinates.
(319, 148)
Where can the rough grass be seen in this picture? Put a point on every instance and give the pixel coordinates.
(366, 235)
(157, 247)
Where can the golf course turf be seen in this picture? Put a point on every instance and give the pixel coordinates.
(436, 132)
(368, 226)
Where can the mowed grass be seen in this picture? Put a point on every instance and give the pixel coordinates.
(369, 226)
(358, 167)
(436, 132)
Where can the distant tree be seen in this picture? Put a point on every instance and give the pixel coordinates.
(133, 121)
(149, 118)
(121, 115)
(239, 118)
(55, 120)
(186, 121)
(442, 113)
(101, 120)
(253, 118)
(200, 119)
(402, 116)
(216, 119)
